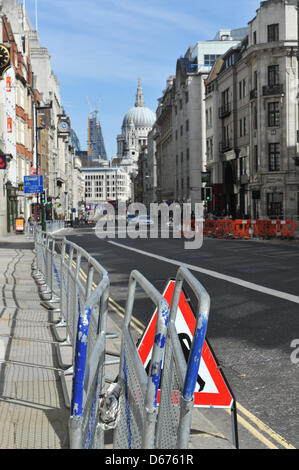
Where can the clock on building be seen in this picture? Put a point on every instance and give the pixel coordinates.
(63, 126)
(5, 59)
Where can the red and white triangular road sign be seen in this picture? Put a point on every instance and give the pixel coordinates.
(211, 388)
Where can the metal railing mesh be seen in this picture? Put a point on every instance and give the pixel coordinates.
(170, 401)
(130, 422)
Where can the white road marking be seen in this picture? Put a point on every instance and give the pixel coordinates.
(215, 274)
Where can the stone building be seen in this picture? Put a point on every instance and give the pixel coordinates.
(253, 163)
(181, 120)
(137, 123)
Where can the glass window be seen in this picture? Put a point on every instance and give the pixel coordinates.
(273, 114)
(275, 205)
(273, 75)
(256, 158)
(210, 59)
(273, 32)
(274, 157)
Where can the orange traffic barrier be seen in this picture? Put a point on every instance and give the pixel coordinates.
(209, 226)
(288, 229)
(246, 229)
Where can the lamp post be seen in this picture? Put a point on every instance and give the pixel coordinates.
(37, 162)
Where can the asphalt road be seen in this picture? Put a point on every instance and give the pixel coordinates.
(254, 290)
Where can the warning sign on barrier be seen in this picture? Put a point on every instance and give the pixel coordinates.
(211, 389)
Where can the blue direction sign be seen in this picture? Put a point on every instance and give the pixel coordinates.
(33, 184)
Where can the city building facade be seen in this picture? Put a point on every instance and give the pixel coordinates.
(254, 136)
(181, 119)
(104, 184)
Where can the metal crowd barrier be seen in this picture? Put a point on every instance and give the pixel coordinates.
(78, 289)
(89, 371)
(178, 377)
(52, 226)
(59, 270)
(137, 413)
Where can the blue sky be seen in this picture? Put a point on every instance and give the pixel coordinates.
(99, 48)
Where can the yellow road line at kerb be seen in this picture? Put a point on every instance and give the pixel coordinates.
(121, 309)
(254, 431)
(264, 427)
(136, 328)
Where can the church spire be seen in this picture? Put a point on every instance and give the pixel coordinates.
(139, 96)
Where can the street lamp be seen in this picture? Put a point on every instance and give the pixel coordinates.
(37, 162)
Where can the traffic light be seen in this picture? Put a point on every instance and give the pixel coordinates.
(206, 194)
(43, 198)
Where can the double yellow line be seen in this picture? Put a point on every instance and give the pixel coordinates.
(259, 429)
(250, 422)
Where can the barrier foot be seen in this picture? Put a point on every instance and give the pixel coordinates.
(54, 300)
(62, 365)
(45, 293)
(60, 323)
(113, 362)
(112, 353)
(112, 335)
(65, 390)
(57, 337)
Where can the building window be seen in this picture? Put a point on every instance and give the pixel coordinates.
(274, 157)
(256, 159)
(273, 75)
(245, 126)
(275, 205)
(255, 118)
(210, 59)
(255, 79)
(254, 37)
(186, 96)
(244, 88)
(181, 130)
(241, 128)
(243, 166)
(273, 32)
(225, 99)
(273, 114)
